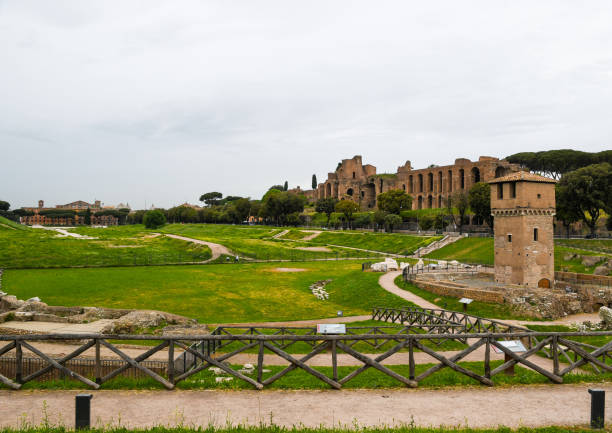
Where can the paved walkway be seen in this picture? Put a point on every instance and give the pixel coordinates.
(477, 407)
(387, 282)
(58, 328)
(216, 249)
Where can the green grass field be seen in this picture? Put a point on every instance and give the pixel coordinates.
(394, 243)
(122, 246)
(8, 224)
(210, 293)
(467, 250)
(256, 242)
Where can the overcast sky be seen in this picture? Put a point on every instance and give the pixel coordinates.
(160, 101)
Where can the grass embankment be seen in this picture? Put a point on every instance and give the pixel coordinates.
(266, 427)
(229, 293)
(394, 243)
(121, 246)
(466, 250)
(256, 242)
(6, 223)
(476, 308)
(480, 251)
(369, 379)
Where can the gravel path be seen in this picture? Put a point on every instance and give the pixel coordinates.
(537, 405)
(387, 282)
(216, 249)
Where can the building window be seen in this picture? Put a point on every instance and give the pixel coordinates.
(510, 238)
(500, 191)
(513, 190)
(353, 175)
(535, 234)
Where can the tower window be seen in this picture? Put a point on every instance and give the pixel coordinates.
(535, 234)
(510, 238)
(500, 191)
(353, 175)
(513, 190)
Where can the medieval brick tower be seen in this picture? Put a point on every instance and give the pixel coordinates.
(523, 207)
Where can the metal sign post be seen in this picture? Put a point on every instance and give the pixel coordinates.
(515, 346)
(465, 302)
(82, 411)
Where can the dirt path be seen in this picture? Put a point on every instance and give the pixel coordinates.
(369, 251)
(541, 405)
(309, 322)
(313, 234)
(280, 234)
(216, 249)
(387, 282)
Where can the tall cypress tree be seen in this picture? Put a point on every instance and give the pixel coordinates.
(314, 181)
(286, 186)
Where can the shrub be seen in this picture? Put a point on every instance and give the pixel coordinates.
(154, 219)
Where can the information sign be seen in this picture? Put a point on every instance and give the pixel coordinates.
(331, 328)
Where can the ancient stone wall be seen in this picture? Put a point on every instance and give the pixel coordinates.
(429, 187)
(440, 288)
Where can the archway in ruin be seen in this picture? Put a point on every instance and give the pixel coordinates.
(544, 283)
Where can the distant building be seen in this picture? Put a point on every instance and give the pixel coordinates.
(45, 216)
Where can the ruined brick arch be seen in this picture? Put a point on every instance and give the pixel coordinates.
(544, 283)
(420, 182)
(328, 190)
(450, 180)
(440, 184)
(500, 171)
(410, 184)
(404, 187)
(349, 192)
(381, 185)
(430, 183)
(475, 175)
(461, 178)
(429, 201)
(440, 202)
(420, 202)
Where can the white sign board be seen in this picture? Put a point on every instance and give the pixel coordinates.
(514, 346)
(466, 301)
(331, 328)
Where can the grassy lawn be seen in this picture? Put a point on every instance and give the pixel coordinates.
(256, 242)
(121, 246)
(369, 379)
(210, 293)
(575, 264)
(467, 250)
(599, 245)
(6, 223)
(394, 243)
(476, 308)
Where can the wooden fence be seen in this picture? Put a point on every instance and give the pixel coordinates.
(559, 345)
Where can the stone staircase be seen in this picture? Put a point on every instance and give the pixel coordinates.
(447, 239)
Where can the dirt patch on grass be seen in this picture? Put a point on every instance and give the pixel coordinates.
(288, 270)
(316, 249)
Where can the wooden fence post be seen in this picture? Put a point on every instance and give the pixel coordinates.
(98, 366)
(260, 361)
(487, 360)
(411, 358)
(19, 362)
(555, 351)
(171, 361)
(334, 360)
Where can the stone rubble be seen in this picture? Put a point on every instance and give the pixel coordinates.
(318, 289)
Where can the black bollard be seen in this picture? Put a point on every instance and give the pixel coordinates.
(82, 411)
(598, 405)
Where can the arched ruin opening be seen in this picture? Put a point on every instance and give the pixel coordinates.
(462, 178)
(544, 283)
(500, 171)
(430, 182)
(328, 193)
(349, 192)
(440, 185)
(420, 202)
(420, 182)
(475, 175)
(410, 184)
(429, 202)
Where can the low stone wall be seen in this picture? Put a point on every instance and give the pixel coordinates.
(574, 277)
(439, 288)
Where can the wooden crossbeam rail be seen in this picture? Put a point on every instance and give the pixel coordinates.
(560, 344)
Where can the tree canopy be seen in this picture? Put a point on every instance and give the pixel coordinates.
(394, 201)
(460, 203)
(347, 208)
(4, 205)
(314, 181)
(277, 205)
(555, 163)
(154, 219)
(211, 198)
(326, 206)
(479, 200)
(586, 192)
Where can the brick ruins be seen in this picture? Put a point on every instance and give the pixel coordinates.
(429, 187)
